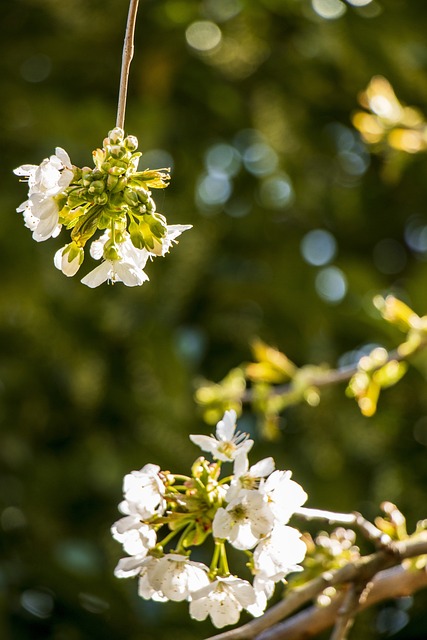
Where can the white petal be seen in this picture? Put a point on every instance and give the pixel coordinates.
(206, 443)
(63, 156)
(226, 427)
(263, 468)
(97, 276)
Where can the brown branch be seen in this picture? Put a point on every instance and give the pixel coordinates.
(395, 582)
(361, 570)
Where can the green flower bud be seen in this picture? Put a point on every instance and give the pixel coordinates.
(96, 187)
(118, 169)
(131, 143)
(105, 167)
(101, 199)
(112, 182)
(116, 135)
(116, 151)
(143, 195)
(130, 197)
(119, 184)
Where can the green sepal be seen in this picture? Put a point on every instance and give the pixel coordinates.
(86, 227)
(136, 235)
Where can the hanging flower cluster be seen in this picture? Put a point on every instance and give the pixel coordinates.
(113, 197)
(166, 514)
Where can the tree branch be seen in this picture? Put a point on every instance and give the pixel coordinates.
(362, 570)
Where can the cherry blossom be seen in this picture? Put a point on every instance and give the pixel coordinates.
(244, 520)
(227, 444)
(222, 600)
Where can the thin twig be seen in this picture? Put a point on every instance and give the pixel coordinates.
(318, 378)
(368, 529)
(127, 56)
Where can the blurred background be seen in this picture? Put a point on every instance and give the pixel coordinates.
(298, 222)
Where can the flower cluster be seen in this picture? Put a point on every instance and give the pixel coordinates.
(113, 197)
(166, 514)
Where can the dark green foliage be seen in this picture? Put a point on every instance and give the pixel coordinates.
(95, 383)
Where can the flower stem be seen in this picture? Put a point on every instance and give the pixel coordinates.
(127, 56)
(215, 558)
(225, 571)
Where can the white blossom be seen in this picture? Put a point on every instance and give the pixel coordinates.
(284, 495)
(68, 259)
(244, 520)
(115, 271)
(279, 553)
(45, 182)
(145, 588)
(227, 444)
(127, 268)
(162, 245)
(143, 492)
(136, 537)
(177, 577)
(222, 600)
(245, 477)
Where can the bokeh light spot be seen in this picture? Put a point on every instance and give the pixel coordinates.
(12, 518)
(38, 603)
(276, 192)
(203, 35)
(260, 159)
(318, 247)
(331, 284)
(36, 68)
(329, 9)
(213, 189)
(223, 159)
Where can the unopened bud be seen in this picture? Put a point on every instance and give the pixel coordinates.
(131, 143)
(116, 135)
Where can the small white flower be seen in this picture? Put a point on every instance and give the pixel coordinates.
(115, 271)
(245, 477)
(49, 178)
(162, 246)
(227, 444)
(127, 268)
(279, 554)
(145, 588)
(68, 259)
(143, 493)
(284, 495)
(176, 577)
(136, 537)
(244, 521)
(222, 600)
(45, 182)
